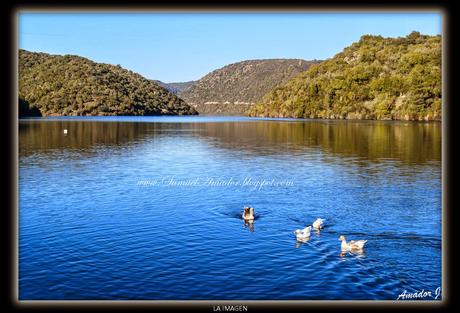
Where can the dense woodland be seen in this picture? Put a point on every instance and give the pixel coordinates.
(375, 78)
(72, 85)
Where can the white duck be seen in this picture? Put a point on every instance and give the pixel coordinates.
(352, 245)
(318, 224)
(248, 214)
(302, 234)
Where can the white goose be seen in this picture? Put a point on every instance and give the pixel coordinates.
(318, 224)
(352, 245)
(302, 234)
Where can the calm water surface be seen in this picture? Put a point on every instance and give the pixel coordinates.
(149, 208)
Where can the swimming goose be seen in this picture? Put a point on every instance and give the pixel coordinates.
(352, 245)
(302, 234)
(248, 213)
(318, 224)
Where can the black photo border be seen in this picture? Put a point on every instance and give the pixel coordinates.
(10, 230)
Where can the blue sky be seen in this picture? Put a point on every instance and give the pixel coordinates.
(182, 47)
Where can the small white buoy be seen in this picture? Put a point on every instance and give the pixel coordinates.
(65, 131)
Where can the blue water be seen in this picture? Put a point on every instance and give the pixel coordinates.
(90, 227)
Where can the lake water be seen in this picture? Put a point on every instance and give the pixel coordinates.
(150, 208)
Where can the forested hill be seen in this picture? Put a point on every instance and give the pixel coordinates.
(234, 88)
(72, 85)
(375, 78)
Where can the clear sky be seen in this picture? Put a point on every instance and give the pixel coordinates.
(182, 47)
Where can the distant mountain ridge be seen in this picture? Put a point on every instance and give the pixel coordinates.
(235, 88)
(73, 85)
(375, 78)
(176, 88)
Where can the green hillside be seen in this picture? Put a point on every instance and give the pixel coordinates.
(72, 85)
(375, 78)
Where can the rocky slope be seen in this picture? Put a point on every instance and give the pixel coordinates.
(235, 88)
